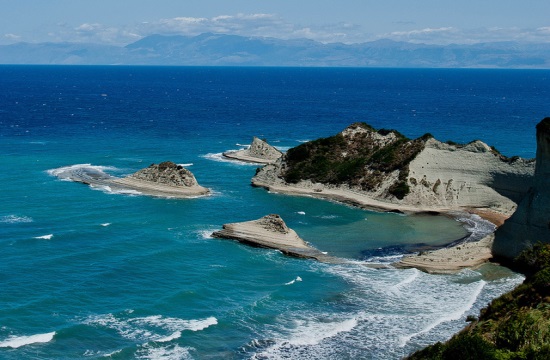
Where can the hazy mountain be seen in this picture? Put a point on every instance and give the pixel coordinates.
(228, 50)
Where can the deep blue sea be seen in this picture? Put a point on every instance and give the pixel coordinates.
(90, 274)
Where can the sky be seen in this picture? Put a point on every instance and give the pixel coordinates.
(117, 22)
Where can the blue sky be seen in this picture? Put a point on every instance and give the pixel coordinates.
(350, 21)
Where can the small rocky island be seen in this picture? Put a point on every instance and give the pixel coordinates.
(259, 152)
(166, 179)
(270, 232)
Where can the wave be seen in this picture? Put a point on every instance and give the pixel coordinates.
(299, 279)
(65, 172)
(205, 234)
(105, 224)
(155, 328)
(44, 237)
(15, 219)
(476, 226)
(218, 157)
(305, 334)
(301, 212)
(456, 315)
(18, 341)
(108, 190)
(175, 352)
(312, 333)
(186, 165)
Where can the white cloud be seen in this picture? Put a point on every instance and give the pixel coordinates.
(273, 25)
(12, 37)
(450, 35)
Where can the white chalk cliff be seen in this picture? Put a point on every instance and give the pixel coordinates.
(530, 223)
(382, 169)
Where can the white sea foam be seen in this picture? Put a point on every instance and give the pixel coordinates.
(151, 328)
(301, 212)
(18, 341)
(447, 316)
(15, 219)
(293, 281)
(477, 226)
(173, 352)
(105, 224)
(107, 189)
(186, 165)
(408, 280)
(65, 171)
(218, 157)
(205, 234)
(313, 332)
(45, 237)
(175, 335)
(328, 217)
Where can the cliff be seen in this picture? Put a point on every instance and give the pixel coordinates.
(258, 152)
(530, 223)
(383, 169)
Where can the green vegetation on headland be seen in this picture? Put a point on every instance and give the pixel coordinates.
(513, 326)
(362, 159)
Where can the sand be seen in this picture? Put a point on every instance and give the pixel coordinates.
(469, 255)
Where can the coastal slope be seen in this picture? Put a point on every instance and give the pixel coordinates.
(530, 224)
(383, 170)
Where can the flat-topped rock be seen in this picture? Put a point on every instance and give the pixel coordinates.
(258, 152)
(270, 232)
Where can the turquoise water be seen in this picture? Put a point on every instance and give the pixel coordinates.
(89, 274)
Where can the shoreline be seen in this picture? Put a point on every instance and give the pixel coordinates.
(471, 251)
(240, 155)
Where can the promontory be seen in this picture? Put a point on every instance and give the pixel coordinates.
(384, 170)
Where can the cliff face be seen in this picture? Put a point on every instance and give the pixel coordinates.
(263, 150)
(530, 223)
(387, 167)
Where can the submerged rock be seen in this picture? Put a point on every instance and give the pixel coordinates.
(530, 223)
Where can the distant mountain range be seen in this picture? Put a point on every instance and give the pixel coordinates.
(231, 50)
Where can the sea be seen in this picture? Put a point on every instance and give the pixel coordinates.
(89, 273)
